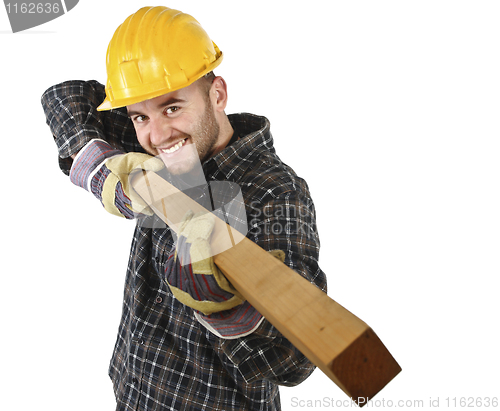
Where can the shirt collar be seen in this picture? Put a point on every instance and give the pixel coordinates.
(232, 162)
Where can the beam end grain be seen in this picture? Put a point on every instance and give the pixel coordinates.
(364, 367)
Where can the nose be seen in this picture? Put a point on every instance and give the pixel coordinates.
(159, 131)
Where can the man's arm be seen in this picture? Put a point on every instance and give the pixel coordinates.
(103, 145)
(260, 353)
(71, 112)
(284, 223)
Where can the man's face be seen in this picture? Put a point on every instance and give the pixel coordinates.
(180, 127)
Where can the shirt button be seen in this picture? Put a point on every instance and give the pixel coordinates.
(158, 300)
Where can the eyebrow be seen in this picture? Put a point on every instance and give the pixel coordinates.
(168, 102)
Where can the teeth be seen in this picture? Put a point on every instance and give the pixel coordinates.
(174, 148)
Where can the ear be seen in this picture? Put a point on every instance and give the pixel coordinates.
(218, 94)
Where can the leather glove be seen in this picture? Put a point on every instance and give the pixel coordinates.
(106, 172)
(196, 281)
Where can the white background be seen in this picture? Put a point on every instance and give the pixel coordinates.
(390, 111)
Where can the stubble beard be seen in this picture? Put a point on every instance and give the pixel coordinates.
(203, 138)
(207, 132)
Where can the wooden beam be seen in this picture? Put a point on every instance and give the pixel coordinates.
(340, 344)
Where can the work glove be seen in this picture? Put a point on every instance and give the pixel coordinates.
(107, 172)
(196, 281)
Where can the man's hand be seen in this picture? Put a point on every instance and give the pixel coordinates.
(106, 172)
(191, 273)
(196, 281)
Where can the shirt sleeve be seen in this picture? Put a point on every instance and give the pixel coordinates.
(71, 114)
(286, 223)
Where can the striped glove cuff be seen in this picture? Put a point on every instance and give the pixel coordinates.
(89, 160)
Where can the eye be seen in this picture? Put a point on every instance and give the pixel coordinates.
(140, 118)
(171, 110)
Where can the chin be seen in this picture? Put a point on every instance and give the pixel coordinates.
(182, 166)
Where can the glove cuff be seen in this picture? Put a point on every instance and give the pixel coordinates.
(89, 160)
(238, 322)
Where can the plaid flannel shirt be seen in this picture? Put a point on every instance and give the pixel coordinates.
(163, 358)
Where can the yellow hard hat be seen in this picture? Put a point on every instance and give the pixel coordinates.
(155, 51)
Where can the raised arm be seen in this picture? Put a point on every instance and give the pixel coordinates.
(71, 112)
(98, 150)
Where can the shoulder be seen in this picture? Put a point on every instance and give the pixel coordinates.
(269, 179)
(252, 162)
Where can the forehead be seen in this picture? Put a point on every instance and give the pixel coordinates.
(187, 95)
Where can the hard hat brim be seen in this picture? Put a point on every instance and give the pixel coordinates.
(108, 104)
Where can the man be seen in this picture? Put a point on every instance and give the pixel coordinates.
(164, 100)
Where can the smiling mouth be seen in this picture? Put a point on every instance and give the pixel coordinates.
(174, 148)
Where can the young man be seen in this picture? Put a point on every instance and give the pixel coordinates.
(163, 99)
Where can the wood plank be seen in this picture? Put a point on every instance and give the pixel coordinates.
(340, 344)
